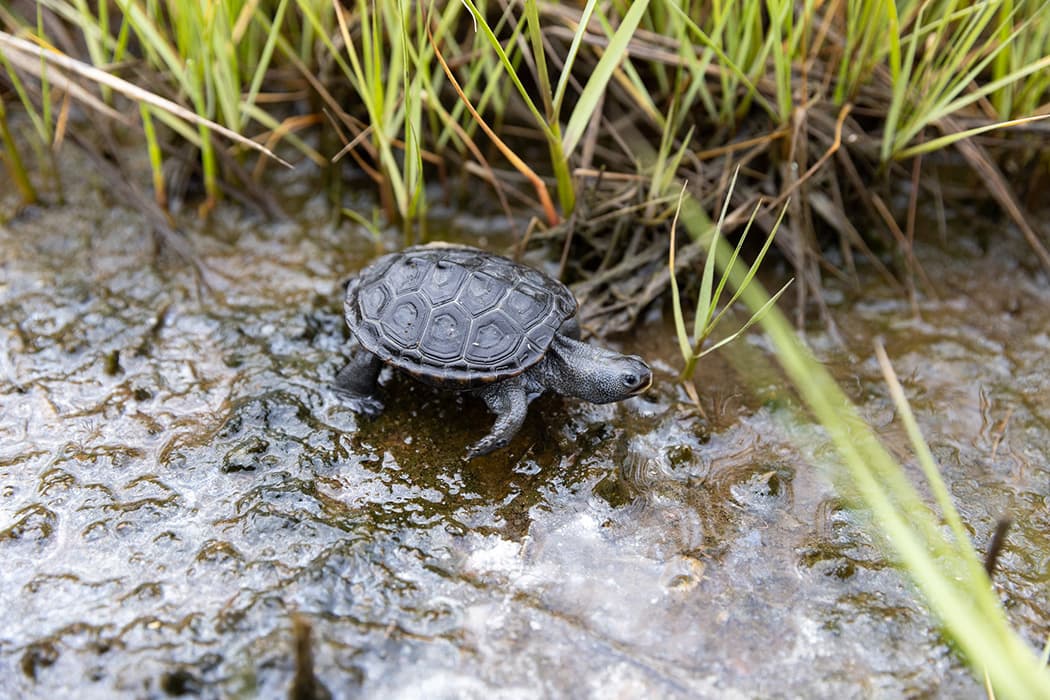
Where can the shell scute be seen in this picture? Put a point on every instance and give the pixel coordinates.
(455, 316)
(444, 283)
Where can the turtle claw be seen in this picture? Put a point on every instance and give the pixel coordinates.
(365, 405)
(484, 446)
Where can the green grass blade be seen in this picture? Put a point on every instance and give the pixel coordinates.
(755, 317)
(928, 464)
(23, 95)
(988, 88)
(46, 108)
(615, 52)
(962, 600)
(131, 91)
(360, 70)
(154, 42)
(570, 57)
(709, 322)
(511, 73)
(900, 91)
(753, 270)
(948, 139)
(539, 58)
(704, 300)
(371, 226)
(156, 159)
(272, 33)
(661, 175)
(715, 47)
(676, 300)
(779, 12)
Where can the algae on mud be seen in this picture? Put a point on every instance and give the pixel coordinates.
(177, 484)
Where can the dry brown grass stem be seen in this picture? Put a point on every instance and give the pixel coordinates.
(983, 165)
(537, 182)
(20, 47)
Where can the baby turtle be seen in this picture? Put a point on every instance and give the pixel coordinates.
(463, 319)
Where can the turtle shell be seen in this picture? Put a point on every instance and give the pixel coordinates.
(455, 316)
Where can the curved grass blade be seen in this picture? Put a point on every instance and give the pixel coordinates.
(676, 299)
(570, 57)
(615, 52)
(948, 139)
(133, 92)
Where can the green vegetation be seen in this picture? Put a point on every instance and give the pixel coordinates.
(708, 309)
(296, 74)
(816, 105)
(946, 569)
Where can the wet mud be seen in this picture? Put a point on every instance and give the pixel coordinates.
(186, 508)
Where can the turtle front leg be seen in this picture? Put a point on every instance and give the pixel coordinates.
(510, 403)
(356, 383)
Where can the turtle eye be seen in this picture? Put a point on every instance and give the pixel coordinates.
(630, 381)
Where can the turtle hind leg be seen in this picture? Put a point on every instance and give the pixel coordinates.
(510, 403)
(356, 382)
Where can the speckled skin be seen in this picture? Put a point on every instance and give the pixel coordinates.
(467, 320)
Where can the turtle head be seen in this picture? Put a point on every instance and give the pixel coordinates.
(596, 374)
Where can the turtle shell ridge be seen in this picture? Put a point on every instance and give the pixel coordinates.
(456, 316)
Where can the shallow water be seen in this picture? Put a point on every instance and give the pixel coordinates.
(178, 484)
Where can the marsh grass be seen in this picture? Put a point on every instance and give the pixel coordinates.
(693, 73)
(821, 105)
(709, 310)
(969, 39)
(946, 569)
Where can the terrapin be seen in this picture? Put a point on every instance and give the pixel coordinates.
(464, 319)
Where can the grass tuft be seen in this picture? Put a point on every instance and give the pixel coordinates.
(947, 571)
(707, 313)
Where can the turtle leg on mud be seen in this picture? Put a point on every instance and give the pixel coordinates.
(509, 401)
(356, 383)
